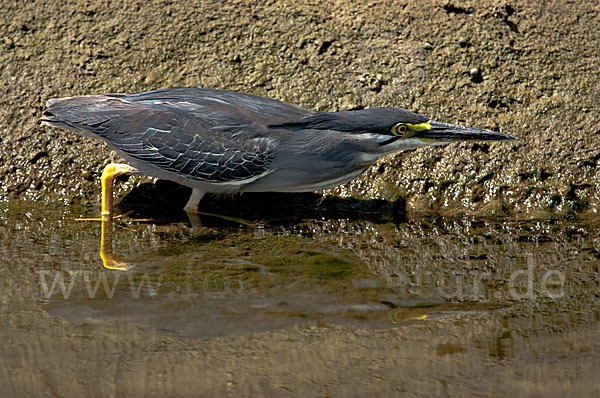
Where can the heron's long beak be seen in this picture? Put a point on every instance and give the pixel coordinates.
(450, 132)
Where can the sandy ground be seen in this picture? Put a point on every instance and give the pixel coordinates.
(539, 81)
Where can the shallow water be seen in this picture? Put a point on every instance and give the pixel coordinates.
(429, 306)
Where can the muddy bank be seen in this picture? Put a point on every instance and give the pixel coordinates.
(537, 78)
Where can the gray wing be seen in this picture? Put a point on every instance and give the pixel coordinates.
(222, 108)
(207, 135)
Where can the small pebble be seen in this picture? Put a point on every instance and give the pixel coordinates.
(476, 76)
(86, 175)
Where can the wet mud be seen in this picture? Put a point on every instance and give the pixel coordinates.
(525, 68)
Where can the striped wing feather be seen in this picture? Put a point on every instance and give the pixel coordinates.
(204, 137)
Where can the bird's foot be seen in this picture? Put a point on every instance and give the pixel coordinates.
(194, 201)
(193, 215)
(114, 218)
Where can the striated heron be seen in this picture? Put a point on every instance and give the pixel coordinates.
(222, 141)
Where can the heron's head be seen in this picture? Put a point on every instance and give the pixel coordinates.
(395, 129)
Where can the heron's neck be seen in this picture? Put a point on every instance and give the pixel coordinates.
(395, 146)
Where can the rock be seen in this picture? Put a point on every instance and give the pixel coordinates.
(476, 76)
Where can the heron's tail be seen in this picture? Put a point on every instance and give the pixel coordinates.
(51, 116)
(81, 114)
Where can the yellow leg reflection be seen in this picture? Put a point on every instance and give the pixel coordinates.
(106, 254)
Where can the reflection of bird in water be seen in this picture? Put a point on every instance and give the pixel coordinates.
(222, 141)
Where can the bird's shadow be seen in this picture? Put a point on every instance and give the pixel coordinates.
(164, 200)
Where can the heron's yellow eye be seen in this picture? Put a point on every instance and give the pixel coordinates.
(400, 130)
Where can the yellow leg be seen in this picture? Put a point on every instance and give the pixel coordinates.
(111, 171)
